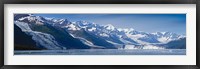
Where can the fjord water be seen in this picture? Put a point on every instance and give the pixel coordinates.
(103, 52)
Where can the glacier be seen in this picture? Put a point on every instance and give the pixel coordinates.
(42, 39)
(120, 38)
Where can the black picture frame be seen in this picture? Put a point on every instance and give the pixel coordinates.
(2, 2)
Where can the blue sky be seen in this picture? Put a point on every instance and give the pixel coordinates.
(142, 22)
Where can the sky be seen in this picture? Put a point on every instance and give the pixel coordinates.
(142, 22)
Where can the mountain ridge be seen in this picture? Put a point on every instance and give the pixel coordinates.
(92, 35)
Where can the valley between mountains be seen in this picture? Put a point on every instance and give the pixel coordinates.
(41, 33)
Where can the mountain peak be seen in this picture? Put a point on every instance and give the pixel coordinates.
(63, 21)
(161, 33)
(131, 29)
(84, 23)
(89, 33)
(126, 30)
(109, 27)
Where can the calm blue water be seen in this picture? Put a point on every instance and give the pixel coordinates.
(103, 52)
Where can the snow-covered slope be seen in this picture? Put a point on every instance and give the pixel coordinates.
(88, 33)
(42, 39)
(158, 37)
(48, 34)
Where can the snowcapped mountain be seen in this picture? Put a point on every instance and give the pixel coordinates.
(109, 27)
(158, 37)
(52, 33)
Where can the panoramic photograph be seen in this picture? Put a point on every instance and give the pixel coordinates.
(99, 34)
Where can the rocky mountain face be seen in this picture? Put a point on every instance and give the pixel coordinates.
(50, 33)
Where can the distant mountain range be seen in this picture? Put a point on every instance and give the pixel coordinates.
(36, 32)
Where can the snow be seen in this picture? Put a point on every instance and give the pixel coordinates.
(72, 27)
(47, 18)
(131, 29)
(109, 27)
(136, 36)
(39, 18)
(92, 29)
(34, 18)
(152, 47)
(120, 36)
(102, 30)
(126, 30)
(86, 41)
(22, 18)
(120, 29)
(39, 23)
(130, 47)
(83, 40)
(125, 41)
(163, 32)
(142, 47)
(113, 42)
(84, 23)
(23, 26)
(43, 39)
(164, 39)
(104, 35)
